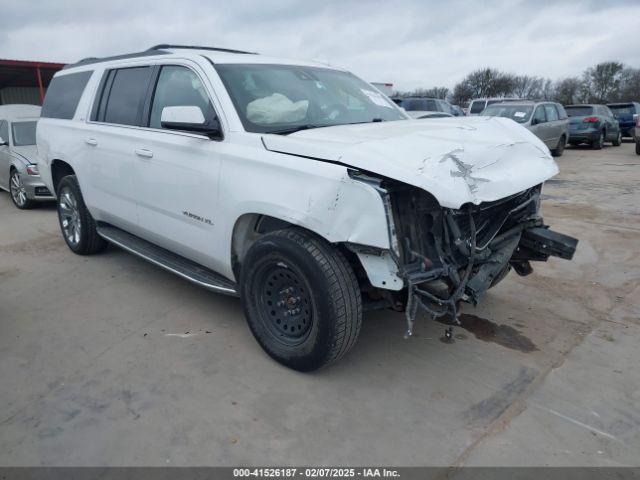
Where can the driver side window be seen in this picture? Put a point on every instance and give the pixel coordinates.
(539, 116)
(179, 86)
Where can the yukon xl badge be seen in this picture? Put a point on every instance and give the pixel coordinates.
(197, 217)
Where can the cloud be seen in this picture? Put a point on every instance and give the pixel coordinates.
(413, 43)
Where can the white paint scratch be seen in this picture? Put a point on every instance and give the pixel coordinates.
(575, 422)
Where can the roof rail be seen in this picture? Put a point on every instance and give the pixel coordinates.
(196, 47)
(90, 60)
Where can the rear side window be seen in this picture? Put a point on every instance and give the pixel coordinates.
(561, 112)
(63, 95)
(126, 96)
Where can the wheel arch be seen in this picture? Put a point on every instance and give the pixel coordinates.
(59, 169)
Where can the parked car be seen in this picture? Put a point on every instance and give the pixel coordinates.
(422, 115)
(624, 113)
(547, 120)
(18, 160)
(593, 124)
(424, 104)
(297, 186)
(477, 105)
(457, 111)
(636, 133)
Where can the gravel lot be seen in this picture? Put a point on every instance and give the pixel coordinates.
(108, 360)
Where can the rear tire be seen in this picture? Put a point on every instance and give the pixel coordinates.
(638, 148)
(618, 140)
(559, 150)
(77, 224)
(599, 142)
(301, 299)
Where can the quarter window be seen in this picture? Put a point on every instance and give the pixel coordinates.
(63, 95)
(179, 87)
(125, 98)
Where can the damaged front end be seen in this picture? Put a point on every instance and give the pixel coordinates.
(447, 256)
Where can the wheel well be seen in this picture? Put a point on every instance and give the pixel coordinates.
(59, 169)
(248, 228)
(251, 226)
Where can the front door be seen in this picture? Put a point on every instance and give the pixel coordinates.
(178, 191)
(5, 156)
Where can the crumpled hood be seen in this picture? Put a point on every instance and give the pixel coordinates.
(457, 160)
(27, 154)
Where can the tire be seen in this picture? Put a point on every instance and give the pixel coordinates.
(76, 223)
(618, 140)
(18, 193)
(321, 323)
(559, 150)
(638, 147)
(599, 142)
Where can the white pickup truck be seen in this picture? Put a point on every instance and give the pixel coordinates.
(298, 187)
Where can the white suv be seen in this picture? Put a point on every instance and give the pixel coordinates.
(296, 186)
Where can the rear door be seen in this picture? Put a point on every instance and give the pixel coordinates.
(110, 142)
(178, 191)
(553, 126)
(539, 124)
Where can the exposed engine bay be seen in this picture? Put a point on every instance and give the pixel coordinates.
(447, 256)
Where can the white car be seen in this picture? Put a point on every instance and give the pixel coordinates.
(18, 156)
(298, 187)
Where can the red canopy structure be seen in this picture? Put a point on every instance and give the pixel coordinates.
(21, 73)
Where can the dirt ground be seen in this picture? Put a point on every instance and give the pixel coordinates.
(108, 360)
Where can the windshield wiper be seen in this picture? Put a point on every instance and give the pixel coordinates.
(373, 120)
(297, 128)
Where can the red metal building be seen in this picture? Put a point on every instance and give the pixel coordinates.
(25, 81)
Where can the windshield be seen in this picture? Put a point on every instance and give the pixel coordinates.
(518, 113)
(579, 111)
(285, 98)
(24, 133)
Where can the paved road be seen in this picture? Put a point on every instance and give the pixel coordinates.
(108, 360)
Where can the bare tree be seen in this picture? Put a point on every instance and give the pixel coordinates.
(602, 82)
(525, 86)
(568, 91)
(486, 82)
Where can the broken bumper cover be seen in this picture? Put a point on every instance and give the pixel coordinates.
(450, 256)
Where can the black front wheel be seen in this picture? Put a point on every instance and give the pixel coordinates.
(638, 147)
(559, 150)
(301, 299)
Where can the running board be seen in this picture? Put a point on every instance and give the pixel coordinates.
(172, 262)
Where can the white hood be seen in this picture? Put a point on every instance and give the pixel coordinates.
(457, 160)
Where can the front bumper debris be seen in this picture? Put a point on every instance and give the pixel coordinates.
(451, 256)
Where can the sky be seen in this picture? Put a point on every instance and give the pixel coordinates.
(411, 43)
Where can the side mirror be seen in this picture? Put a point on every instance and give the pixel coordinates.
(535, 121)
(3, 142)
(189, 119)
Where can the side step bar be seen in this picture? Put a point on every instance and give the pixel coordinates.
(172, 262)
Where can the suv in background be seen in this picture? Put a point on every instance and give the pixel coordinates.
(296, 186)
(593, 124)
(547, 120)
(18, 156)
(417, 107)
(477, 105)
(625, 114)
